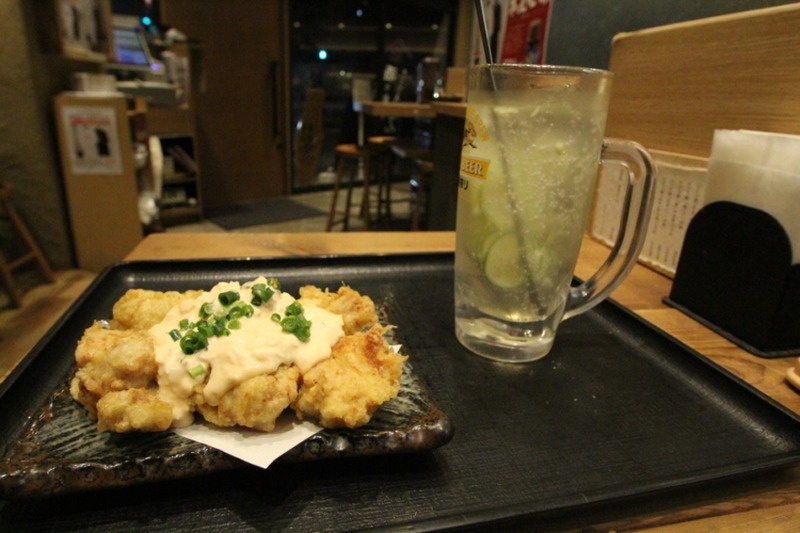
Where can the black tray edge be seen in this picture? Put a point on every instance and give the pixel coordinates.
(437, 434)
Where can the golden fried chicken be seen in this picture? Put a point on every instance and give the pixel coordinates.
(345, 390)
(358, 311)
(112, 360)
(97, 341)
(133, 410)
(256, 403)
(142, 309)
(121, 384)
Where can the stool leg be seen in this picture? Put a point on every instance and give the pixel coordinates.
(336, 185)
(352, 172)
(417, 209)
(365, 193)
(384, 186)
(35, 253)
(8, 283)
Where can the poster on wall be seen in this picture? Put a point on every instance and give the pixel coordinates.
(92, 140)
(517, 30)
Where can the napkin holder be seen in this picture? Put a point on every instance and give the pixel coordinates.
(735, 275)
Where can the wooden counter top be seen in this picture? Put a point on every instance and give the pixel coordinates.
(454, 109)
(223, 245)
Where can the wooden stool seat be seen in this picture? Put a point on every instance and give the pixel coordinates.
(381, 139)
(350, 158)
(7, 268)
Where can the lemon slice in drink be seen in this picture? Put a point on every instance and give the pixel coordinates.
(502, 265)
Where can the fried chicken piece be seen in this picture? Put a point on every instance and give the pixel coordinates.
(345, 390)
(358, 312)
(142, 309)
(112, 360)
(133, 410)
(97, 341)
(87, 399)
(256, 403)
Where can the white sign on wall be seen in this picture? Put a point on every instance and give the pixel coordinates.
(92, 141)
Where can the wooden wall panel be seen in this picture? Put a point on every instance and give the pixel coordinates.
(674, 85)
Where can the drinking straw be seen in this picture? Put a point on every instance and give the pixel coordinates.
(484, 29)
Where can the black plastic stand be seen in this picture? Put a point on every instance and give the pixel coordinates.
(735, 275)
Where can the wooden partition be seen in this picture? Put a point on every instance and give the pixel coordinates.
(674, 85)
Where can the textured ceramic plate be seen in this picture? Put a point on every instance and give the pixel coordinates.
(60, 450)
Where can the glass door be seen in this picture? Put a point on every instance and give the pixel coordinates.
(343, 51)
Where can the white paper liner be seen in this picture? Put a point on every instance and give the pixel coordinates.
(255, 447)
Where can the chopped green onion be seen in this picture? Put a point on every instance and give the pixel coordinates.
(206, 328)
(219, 323)
(219, 328)
(206, 310)
(197, 371)
(228, 297)
(298, 326)
(240, 309)
(261, 294)
(193, 342)
(294, 309)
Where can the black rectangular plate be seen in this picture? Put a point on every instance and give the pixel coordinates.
(617, 410)
(60, 450)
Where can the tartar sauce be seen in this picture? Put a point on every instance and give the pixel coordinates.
(258, 346)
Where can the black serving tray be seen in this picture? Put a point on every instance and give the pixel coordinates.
(617, 410)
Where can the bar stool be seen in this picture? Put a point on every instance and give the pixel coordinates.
(350, 158)
(7, 268)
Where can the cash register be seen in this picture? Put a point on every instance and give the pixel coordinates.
(139, 73)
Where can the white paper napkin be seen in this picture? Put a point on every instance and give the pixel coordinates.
(255, 447)
(758, 170)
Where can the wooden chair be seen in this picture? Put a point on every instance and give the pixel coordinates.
(350, 158)
(7, 267)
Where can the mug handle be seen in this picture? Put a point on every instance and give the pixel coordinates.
(636, 209)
